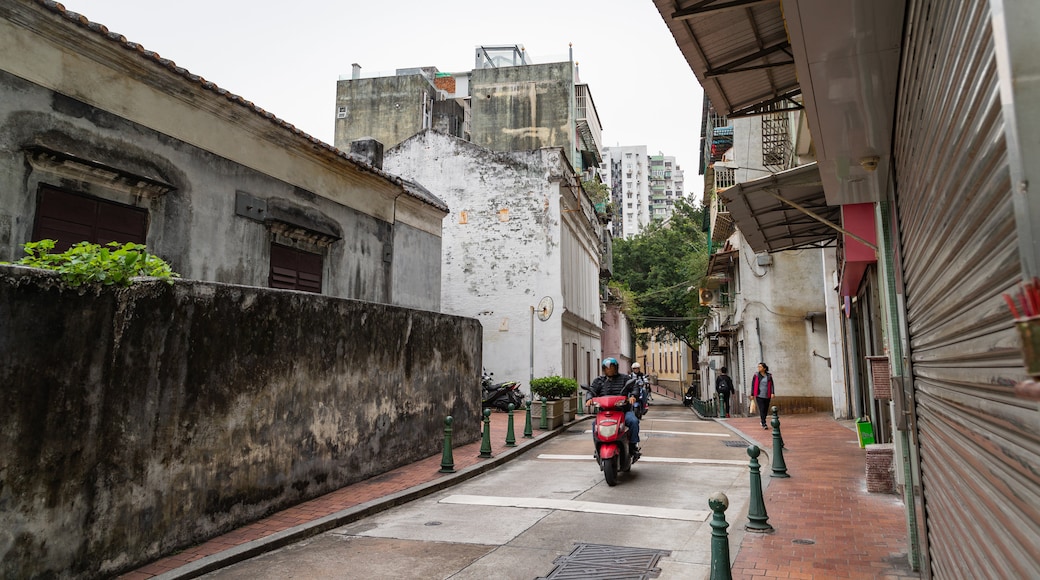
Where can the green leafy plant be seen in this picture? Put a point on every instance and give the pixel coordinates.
(84, 263)
(554, 387)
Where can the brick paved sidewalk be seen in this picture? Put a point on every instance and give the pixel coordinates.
(853, 533)
(327, 506)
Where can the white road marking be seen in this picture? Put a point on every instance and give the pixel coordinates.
(581, 506)
(686, 433)
(646, 459)
(589, 432)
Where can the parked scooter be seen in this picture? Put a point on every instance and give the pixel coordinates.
(500, 395)
(687, 399)
(610, 434)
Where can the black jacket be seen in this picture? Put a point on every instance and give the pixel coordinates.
(615, 385)
(723, 384)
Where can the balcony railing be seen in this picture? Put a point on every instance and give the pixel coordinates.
(590, 130)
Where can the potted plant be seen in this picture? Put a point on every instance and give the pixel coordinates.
(556, 391)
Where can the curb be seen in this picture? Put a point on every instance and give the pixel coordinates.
(277, 540)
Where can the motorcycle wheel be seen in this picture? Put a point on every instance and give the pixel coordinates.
(626, 464)
(610, 470)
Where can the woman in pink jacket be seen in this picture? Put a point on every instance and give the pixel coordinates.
(762, 391)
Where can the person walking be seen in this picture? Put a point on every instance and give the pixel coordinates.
(724, 387)
(762, 391)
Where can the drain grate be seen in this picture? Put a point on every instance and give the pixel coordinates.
(804, 542)
(607, 562)
(735, 443)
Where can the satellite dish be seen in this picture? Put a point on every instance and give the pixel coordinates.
(545, 308)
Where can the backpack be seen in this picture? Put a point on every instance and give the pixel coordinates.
(724, 384)
(643, 397)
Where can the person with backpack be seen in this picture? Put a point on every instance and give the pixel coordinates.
(724, 387)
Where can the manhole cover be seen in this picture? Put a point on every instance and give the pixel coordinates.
(600, 561)
(735, 443)
(803, 542)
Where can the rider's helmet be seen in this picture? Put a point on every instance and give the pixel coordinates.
(610, 361)
(636, 367)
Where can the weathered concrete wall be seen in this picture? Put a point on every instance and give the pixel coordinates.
(390, 109)
(416, 269)
(137, 421)
(501, 250)
(523, 108)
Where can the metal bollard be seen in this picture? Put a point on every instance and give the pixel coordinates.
(485, 442)
(447, 460)
(779, 467)
(718, 400)
(510, 438)
(719, 539)
(776, 417)
(580, 411)
(544, 425)
(527, 423)
(758, 519)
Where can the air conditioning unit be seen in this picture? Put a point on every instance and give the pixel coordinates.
(709, 297)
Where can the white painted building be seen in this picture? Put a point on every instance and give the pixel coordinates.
(520, 230)
(630, 187)
(769, 307)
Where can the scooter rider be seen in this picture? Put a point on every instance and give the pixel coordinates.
(614, 383)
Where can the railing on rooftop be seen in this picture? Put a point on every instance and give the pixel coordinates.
(589, 128)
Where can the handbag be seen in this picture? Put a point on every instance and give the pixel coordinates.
(753, 406)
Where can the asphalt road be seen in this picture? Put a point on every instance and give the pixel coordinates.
(548, 513)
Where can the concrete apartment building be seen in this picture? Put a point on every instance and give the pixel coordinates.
(505, 103)
(643, 187)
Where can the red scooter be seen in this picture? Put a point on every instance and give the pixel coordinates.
(610, 434)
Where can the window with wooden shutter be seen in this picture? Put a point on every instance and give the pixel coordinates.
(70, 218)
(293, 269)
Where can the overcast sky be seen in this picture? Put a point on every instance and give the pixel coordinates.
(287, 55)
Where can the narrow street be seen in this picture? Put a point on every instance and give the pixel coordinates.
(522, 520)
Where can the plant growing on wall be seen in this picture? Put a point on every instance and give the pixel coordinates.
(85, 263)
(554, 387)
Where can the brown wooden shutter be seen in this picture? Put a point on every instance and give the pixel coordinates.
(293, 269)
(70, 218)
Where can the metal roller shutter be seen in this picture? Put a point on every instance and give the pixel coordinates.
(977, 443)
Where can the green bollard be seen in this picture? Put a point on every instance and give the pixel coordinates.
(544, 425)
(527, 423)
(485, 442)
(779, 467)
(718, 403)
(776, 418)
(447, 461)
(510, 438)
(581, 404)
(758, 519)
(719, 539)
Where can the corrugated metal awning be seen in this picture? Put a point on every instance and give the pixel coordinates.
(784, 211)
(722, 262)
(739, 51)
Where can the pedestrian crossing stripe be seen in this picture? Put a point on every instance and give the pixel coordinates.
(678, 433)
(581, 506)
(645, 459)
